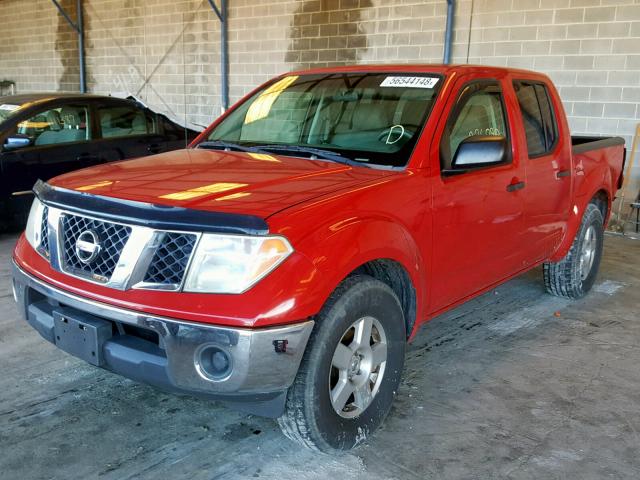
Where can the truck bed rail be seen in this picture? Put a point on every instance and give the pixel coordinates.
(584, 143)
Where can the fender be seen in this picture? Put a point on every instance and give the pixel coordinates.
(387, 219)
(338, 248)
(598, 178)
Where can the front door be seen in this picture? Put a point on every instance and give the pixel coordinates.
(478, 215)
(57, 141)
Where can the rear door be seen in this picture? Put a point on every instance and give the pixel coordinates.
(548, 165)
(127, 131)
(478, 215)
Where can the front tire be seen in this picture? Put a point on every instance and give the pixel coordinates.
(351, 370)
(574, 275)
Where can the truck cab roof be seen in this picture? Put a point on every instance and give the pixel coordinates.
(458, 69)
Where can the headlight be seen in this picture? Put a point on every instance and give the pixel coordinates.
(33, 232)
(233, 263)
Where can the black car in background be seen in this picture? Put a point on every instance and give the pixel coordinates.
(46, 134)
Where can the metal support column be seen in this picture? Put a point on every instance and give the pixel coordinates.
(448, 34)
(80, 20)
(78, 26)
(221, 13)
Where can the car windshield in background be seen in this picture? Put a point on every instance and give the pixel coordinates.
(7, 110)
(367, 118)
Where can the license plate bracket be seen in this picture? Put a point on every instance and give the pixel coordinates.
(81, 335)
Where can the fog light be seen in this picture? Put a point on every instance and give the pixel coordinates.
(213, 363)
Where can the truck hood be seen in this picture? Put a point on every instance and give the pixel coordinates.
(213, 180)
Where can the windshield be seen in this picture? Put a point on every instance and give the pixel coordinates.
(7, 110)
(363, 117)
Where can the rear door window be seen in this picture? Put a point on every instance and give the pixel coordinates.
(537, 117)
(124, 121)
(550, 127)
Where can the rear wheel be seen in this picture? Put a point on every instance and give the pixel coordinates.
(351, 370)
(574, 275)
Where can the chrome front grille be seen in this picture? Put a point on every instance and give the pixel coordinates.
(128, 256)
(170, 261)
(113, 237)
(44, 229)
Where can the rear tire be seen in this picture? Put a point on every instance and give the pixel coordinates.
(574, 275)
(351, 369)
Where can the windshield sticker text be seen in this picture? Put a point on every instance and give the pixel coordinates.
(410, 82)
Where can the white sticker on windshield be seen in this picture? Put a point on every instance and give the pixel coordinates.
(410, 82)
(6, 106)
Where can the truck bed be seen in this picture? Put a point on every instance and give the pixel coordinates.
(585, 143)
(593, 149)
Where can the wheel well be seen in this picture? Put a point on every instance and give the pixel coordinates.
(601, 200)
(395, 276)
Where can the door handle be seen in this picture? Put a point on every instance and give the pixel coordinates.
(563, 173)
(154, 148)
(83, 157)
(512, 187)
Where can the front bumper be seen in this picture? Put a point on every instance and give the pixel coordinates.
(169, 353)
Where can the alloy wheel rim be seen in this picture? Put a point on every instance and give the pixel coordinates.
(357, 367)
(588, 253)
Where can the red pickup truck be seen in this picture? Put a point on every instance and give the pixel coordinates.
(282, 262)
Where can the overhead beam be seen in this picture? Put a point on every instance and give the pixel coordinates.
(216, 10)
(78, 26)
(222, 14)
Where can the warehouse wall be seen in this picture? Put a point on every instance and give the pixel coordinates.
(32, 52)
(167, 52)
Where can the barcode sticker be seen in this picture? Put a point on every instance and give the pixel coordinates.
(410, 82)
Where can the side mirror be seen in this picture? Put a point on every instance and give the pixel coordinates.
(17, 140)
(478, 151)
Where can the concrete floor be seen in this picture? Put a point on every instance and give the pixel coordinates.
(515, 384)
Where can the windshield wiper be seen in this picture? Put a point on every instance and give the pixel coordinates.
(228, 146)
(315, 152)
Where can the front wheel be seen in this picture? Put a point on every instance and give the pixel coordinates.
(574, 275)
(351, 370)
